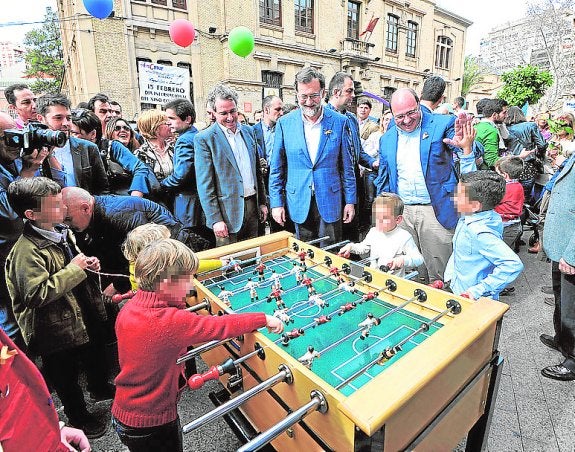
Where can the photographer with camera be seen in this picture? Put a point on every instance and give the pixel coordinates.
(12, 167)
(79, 160)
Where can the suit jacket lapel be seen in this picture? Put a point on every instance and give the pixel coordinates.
(391, 141)
(250, 145)
(299, 136)
(76, 152)
(224, 144)
(427, 129)
(326, 131)
(568, 167)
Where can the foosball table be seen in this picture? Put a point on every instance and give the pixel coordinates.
(367, 361)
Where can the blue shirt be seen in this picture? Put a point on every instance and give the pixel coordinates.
(269, 135)
(481, 263)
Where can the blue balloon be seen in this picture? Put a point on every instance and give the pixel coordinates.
(101, 9)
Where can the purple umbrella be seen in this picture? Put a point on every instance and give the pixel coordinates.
(375, 97)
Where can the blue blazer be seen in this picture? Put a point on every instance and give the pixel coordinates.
(182, 182)
(436, 162)
(559, 233)
(259, 132)
(292, 171)
(220, 186)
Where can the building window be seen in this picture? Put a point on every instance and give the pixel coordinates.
(388, 91)
(188, 66)
(270, 12)
(143, 60)
(411, 39)
(179, 4)
(160, 2)
(272, 83)
(353, 20)
(443, 52)
(165, 62)
(392, 33)
(304, 15)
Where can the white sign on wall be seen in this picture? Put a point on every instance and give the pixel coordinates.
(160, 84)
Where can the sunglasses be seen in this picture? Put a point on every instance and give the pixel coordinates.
(118, 128)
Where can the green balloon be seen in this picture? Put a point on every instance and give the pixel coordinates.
(241, 41)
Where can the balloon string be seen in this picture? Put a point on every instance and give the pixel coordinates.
(107, 274)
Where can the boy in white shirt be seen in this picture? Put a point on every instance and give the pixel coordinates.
(386, 243)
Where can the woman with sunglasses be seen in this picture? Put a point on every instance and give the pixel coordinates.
(126, 174)
(118, 129)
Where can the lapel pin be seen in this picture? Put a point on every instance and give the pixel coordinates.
(425, 135)
(327, 132)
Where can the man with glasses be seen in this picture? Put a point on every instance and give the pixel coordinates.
(228, 173)
(22, 100)
(416, 162)
(311, 173)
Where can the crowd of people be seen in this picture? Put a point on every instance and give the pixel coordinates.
(425, 186)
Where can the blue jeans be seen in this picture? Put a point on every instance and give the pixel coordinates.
(162, 438)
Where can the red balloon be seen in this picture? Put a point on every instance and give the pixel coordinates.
(182, 32)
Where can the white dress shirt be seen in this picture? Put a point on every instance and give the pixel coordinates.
(312, 133)
(411, 186)
(242, 158)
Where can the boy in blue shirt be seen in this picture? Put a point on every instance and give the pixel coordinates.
(481, 264)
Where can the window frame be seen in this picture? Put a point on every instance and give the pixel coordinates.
(443, 51)
(353, 25)
(411, 38)
(392, 33)
(304, 10)
(268, 10)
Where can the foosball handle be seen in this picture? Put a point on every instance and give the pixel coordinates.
(437, 284)
(117, 298)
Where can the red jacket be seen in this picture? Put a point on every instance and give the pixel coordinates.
(511, 205)
(151, 335)
(28, 420)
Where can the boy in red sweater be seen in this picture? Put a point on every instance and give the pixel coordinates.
(511, 206)
(153, 329)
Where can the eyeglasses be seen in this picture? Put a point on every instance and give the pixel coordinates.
(304, 97)
(410, 113)
(118, 128)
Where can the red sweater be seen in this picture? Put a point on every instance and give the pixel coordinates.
(511, 205)
(28, 420)
(151, 335)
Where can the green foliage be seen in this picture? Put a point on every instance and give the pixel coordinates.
(525, 84)
(559, 125)
(473, 74)
(44, 54)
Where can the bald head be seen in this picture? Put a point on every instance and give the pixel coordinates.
(80, 206)
(405, 109)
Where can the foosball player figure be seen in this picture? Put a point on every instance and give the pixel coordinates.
(277, 294)
(295, 333)
(369, 296)
(336, 272)
(225, 295)
(307, 358)
(277, 284)
(302, 257)
(322, 319)
(260, 271)
(297, 271)
(387, 354)
(283, 315)
(233, 265)
(252, 286)
(346, 307)
(308, 283)
(317, 300)
(367, 324)
(348, 287)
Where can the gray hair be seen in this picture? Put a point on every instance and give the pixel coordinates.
(222, 92)
(307, 74)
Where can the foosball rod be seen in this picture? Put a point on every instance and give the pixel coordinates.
(335, 245)
(284, 374)
(201, 349)
(452, 306)
(318, 402)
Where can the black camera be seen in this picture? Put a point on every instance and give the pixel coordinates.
(34, 136)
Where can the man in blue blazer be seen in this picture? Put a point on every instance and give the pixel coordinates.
(228, 173)
(311, 170)
(181, 184)
(559, 245)
(416, 162)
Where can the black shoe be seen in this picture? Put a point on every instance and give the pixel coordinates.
(107, 393)
(547, 289)
(507, 291)
(558, 372)
(549, 341)
(91, 426)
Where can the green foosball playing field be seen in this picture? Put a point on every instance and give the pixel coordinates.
(336, 332)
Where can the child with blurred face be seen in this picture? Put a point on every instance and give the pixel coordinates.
(388, 245)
